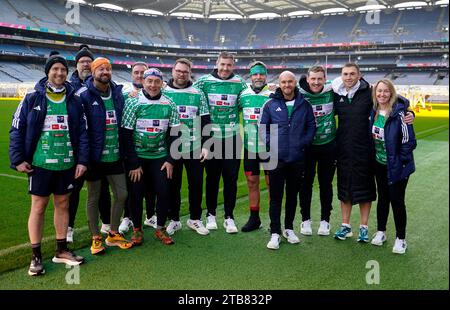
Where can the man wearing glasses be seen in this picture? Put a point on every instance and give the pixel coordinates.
(193, 112)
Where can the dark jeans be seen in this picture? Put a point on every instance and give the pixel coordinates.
(104, 204)
(153, 180)
(150, 203)
(324, 158)
(194, 170)
(394, 195)
(291, 175)
(229, 170)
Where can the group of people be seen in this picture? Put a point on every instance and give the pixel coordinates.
(136, 140)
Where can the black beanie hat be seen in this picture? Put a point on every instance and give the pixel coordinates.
(83, 51)
(54, 58)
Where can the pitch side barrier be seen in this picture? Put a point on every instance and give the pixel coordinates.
(417, 94)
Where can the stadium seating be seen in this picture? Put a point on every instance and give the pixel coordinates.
(393, 26)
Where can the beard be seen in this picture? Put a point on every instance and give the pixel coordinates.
(103, 79)
(85, 74)
(258, 84)
(181, 82)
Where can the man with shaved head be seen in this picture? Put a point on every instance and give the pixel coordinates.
(287, 125)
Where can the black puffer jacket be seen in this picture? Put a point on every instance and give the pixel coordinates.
(355, 174)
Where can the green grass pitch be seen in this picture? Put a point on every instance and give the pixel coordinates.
(241, 261)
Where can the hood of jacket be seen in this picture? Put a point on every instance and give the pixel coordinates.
(339, 88)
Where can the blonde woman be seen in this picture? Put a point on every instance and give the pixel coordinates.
(394, 142)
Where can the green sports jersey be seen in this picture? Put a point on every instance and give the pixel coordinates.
(222, 98)
(191, 104)
(322, 105)
(150, 120)
(378, 136)
(54, 149)
(290, 107)
(127, 89)
(111, 145)
(251, 105)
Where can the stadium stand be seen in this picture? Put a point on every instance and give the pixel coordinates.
(393, 26)
(408, 46)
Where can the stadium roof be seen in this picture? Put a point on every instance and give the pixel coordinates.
(246, 8)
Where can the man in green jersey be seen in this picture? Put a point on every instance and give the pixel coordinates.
(222, 89)
(147, 121)
(137, 77)
(321, 153)
(251, 102)
(193, 112)
(48, 141)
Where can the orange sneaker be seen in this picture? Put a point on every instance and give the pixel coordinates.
(97, 246)
(138, 236)
(117, 239)
(162, 235)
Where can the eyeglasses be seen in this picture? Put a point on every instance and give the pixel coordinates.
(181, 72)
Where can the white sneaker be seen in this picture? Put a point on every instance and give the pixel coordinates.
(69, 236)
(305, 228)
(399, 246)
(151, 222)
(230, 226)
(274, 243)
(197, 225)
(173, 227)
(324, 228)
(105, 228)
(379, 238)
(211, 223)
(125, 225)
(291, 237)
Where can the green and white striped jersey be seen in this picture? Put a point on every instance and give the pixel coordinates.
(150, 120)
(127, 89)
